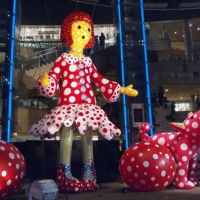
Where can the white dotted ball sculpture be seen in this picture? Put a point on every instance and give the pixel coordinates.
(147, 166)
(12, 169)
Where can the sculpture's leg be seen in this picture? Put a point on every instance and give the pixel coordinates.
(192, 166)
(65, 180)
(89, 174)
(183, 161)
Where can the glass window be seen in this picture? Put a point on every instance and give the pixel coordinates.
(182, 106)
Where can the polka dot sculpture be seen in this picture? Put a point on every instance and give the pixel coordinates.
(12, 169)
(183, 144)
(147, 166)
(77, 102)
(71, 77)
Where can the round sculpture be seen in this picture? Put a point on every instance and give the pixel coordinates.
(12, 169)
(147, 166)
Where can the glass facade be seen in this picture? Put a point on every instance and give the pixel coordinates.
(173, 58)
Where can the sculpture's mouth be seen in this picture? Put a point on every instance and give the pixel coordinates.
(178, 126)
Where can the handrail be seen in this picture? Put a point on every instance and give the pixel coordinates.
(48, 55)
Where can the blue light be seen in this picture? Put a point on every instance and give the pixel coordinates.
(124, 104)
(12, 57)
(146, 67)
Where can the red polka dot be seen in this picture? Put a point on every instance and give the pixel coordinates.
(80, 114)
(105, 130)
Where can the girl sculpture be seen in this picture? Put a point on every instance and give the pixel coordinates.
(71, 77)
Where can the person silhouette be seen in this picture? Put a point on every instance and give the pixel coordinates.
(102, 40)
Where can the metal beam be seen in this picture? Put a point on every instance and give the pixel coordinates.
(146, 65)
(11, 70)
(171, 14)
(123, 81)
(174, 3)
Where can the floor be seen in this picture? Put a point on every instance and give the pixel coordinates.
(118, 191)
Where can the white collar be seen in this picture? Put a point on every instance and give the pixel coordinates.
(71, 59)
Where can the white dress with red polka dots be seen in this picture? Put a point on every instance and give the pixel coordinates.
(77, 103)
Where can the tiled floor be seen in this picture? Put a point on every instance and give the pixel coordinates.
(117, 191)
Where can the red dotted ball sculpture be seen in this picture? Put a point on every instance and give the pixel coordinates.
(147, 166)
(12, 169)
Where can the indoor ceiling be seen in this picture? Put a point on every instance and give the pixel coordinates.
(149, 3)
(172, 4)
(52, 12)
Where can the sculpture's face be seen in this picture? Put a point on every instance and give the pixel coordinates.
(192, 123)
(81, 34)
(190, 126)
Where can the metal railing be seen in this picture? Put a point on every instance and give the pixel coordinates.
(40, 58)
(50, 54)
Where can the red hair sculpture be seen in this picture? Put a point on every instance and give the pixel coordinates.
(65, 34)
(71, 77)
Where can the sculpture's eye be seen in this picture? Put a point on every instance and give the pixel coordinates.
(88, 29)
(79, 27)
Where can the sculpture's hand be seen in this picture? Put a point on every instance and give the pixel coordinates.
(129, 91)
(44, 80)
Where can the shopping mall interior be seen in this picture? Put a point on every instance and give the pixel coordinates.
(152, 44)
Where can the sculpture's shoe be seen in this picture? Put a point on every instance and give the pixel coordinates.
(68, 184)
(89, 185)
(73, 185)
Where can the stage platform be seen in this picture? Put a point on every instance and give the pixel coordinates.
(118, 191)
